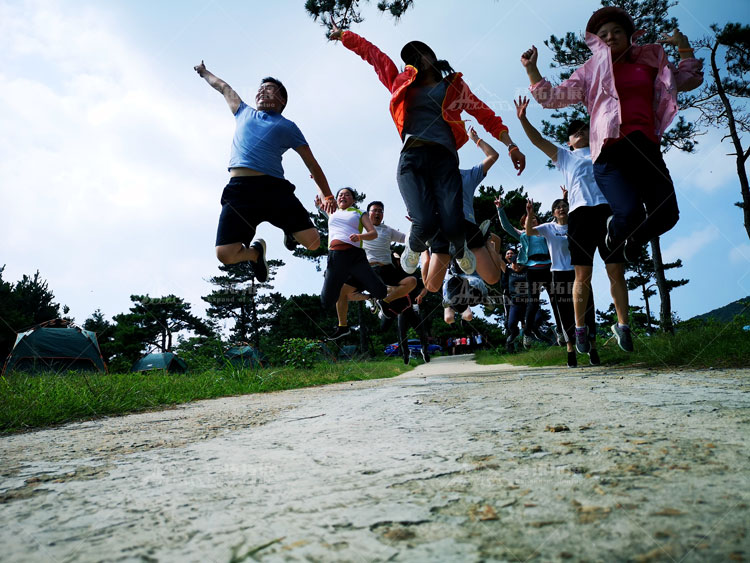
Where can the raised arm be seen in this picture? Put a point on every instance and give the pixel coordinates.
(490, 154)
(531, 132)
(329, 202)
(505, 222)
(382, 63)
(570, 92)
(232, 98)
(530, 216)
(689, 73)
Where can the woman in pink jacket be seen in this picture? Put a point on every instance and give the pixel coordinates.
(630, 92)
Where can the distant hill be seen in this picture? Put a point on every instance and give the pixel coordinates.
(727, 312)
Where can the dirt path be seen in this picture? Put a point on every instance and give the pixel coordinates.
(449, 462)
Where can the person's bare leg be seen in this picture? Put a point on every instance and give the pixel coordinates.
(619, 290)
(342, 305)
(449, 315)
(438, 266)
(402, 289)
(235, 253)
(309, 238)
(487, 268)
(467, 315)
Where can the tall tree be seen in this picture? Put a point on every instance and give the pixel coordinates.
(105, 334)
(571, 51)
(240, 297)
(721, 100)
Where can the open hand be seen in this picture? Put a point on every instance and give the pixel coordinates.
(521, 105)
(678, 39)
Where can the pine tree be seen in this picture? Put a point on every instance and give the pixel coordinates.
(347, 12)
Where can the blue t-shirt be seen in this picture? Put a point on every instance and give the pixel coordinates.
(470, 180)
(261, 138)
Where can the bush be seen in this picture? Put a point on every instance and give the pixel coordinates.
(300, 352)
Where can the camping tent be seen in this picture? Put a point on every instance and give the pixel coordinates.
(161, 360)
(243, 356)
(56, 345)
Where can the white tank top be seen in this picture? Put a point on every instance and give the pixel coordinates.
(344, 223)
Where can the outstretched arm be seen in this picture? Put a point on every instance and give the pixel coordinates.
(530, 216)
(505, 222)
(329, 202)
(490, 154)
(232, 98)
(531, 132)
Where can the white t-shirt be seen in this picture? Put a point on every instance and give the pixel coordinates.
(578, 171)
(557, 243)
(379, 250)
(343, 223)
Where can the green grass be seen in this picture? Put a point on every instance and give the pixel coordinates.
(34, 401)
(713, 345)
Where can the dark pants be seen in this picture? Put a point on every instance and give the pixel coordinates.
(515, 316)
(430, 186)
(345, 263)
(632, 175)
(538, 278)
(408, 318)
(562, 299)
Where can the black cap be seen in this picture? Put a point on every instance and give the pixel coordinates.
(414, 50)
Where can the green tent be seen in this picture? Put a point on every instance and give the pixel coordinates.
(244, 356)
(161, 360)
(56, 345)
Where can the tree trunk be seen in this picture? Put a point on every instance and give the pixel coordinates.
(254, 316)
(665, 314)
(648, 307)
(364, 338)
(741, 156)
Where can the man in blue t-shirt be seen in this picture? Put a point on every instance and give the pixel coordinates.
(257, 190)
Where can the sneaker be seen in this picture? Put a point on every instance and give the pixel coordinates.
(559, 337)
(425, 354)
(527, 341)
(594, 358)
(572, 360)
(623, 336)
(260, 266)
(290, 242)
(341, 331)
(583, 346)
(608, 240)
(385, 310)
(484, 226)
(409, 259)
(468, 263)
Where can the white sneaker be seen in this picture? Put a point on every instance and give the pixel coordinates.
(468, 263)
(409, 259)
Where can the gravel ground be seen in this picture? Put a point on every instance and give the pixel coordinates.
(449, 462)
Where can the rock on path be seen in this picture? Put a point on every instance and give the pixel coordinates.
(449, 462)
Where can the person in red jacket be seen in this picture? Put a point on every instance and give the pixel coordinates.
(427, 99)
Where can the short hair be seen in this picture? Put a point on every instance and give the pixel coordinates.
(558, 202)
(282, 89)
(575, 126)
(351, 191)
(378, 203)
(611, 14)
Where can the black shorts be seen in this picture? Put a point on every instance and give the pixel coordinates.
(587, 231)
(474, 239)
(248, 201)
(390, 274)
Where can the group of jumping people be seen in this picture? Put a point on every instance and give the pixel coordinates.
(619, 192)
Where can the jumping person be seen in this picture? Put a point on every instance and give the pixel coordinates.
(587, 226)
(427, 99)
(346, 258)
(563, 277)
(257, 190)
(630, 92)
(487, 258)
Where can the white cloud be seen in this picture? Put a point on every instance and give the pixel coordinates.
(686, 247)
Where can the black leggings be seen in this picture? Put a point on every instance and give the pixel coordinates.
(407, 318)
(345, 263)
(562, 299)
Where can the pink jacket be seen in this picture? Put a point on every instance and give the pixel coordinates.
(593, 84)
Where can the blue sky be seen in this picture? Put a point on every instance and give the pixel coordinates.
(114, 151)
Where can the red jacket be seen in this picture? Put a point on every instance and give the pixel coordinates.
(458, 96)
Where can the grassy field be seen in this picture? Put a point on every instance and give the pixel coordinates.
(35, 401)
(713, 345)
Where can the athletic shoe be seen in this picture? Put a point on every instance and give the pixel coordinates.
(409, 259)
(468, 263)
(608, 239)
(594, 358)
(583, 346)
(425, 354)
(260, 266)
(341, 331)
(484, 226)
(559, 337)
(623, 336)
(385, 310)
(572, 360)
(290, 242)
(527, 341)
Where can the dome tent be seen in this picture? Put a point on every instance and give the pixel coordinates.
(56, 345)
(243, 356)
(160, 360)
